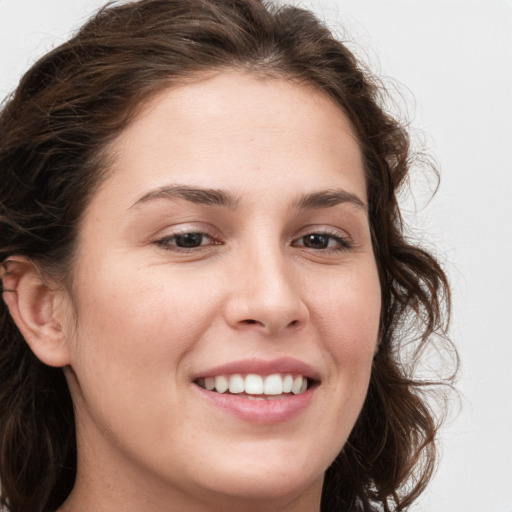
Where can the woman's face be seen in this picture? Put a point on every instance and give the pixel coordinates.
(229, 246)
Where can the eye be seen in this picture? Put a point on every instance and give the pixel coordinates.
(186, 241)
(323, 241)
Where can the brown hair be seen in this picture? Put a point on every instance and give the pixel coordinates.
(53, 135)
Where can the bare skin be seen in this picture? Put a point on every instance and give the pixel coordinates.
(232, 230)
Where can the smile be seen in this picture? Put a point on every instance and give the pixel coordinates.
(256, 387)
(260, 391)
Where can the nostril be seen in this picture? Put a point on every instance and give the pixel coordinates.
(250, 321)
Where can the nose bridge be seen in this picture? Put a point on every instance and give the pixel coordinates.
(266, 294)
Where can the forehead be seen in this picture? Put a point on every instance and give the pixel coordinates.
(222, 129)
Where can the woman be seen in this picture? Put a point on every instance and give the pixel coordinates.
(205, 277)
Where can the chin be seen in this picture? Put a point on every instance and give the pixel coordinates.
(273, 491)
(274, 477)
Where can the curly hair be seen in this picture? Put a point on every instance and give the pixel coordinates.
(54, 132)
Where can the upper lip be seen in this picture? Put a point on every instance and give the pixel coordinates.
(284, 365)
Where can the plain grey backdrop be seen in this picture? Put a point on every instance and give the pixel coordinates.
(451, 61)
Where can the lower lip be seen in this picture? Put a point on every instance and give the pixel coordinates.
(260, 411)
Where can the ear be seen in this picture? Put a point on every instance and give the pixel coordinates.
(37, 309)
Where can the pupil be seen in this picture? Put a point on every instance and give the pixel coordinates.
(316, 241)
(189, 240)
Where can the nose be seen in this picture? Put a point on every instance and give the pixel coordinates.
(266, 295)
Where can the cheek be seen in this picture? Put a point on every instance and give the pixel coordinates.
(132, 339)
(139, 325)
(348, 315)
(349, 310)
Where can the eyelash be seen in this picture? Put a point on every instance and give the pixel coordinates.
(166, 242)
(343, 243)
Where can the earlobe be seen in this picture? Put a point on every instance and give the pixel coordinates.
(32, 304)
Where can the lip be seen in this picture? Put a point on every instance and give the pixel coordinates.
(262, 367)
(261, 412)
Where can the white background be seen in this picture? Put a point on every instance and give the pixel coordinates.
(452, 60)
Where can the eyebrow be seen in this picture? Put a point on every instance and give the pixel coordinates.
(199, 195)
(218, 197)
(329, 198)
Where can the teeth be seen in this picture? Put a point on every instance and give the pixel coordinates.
(297, 385)
(221, 384)
(236, 384)
(253, 385)
(271, 386)
(287, 384)
(209, 383)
